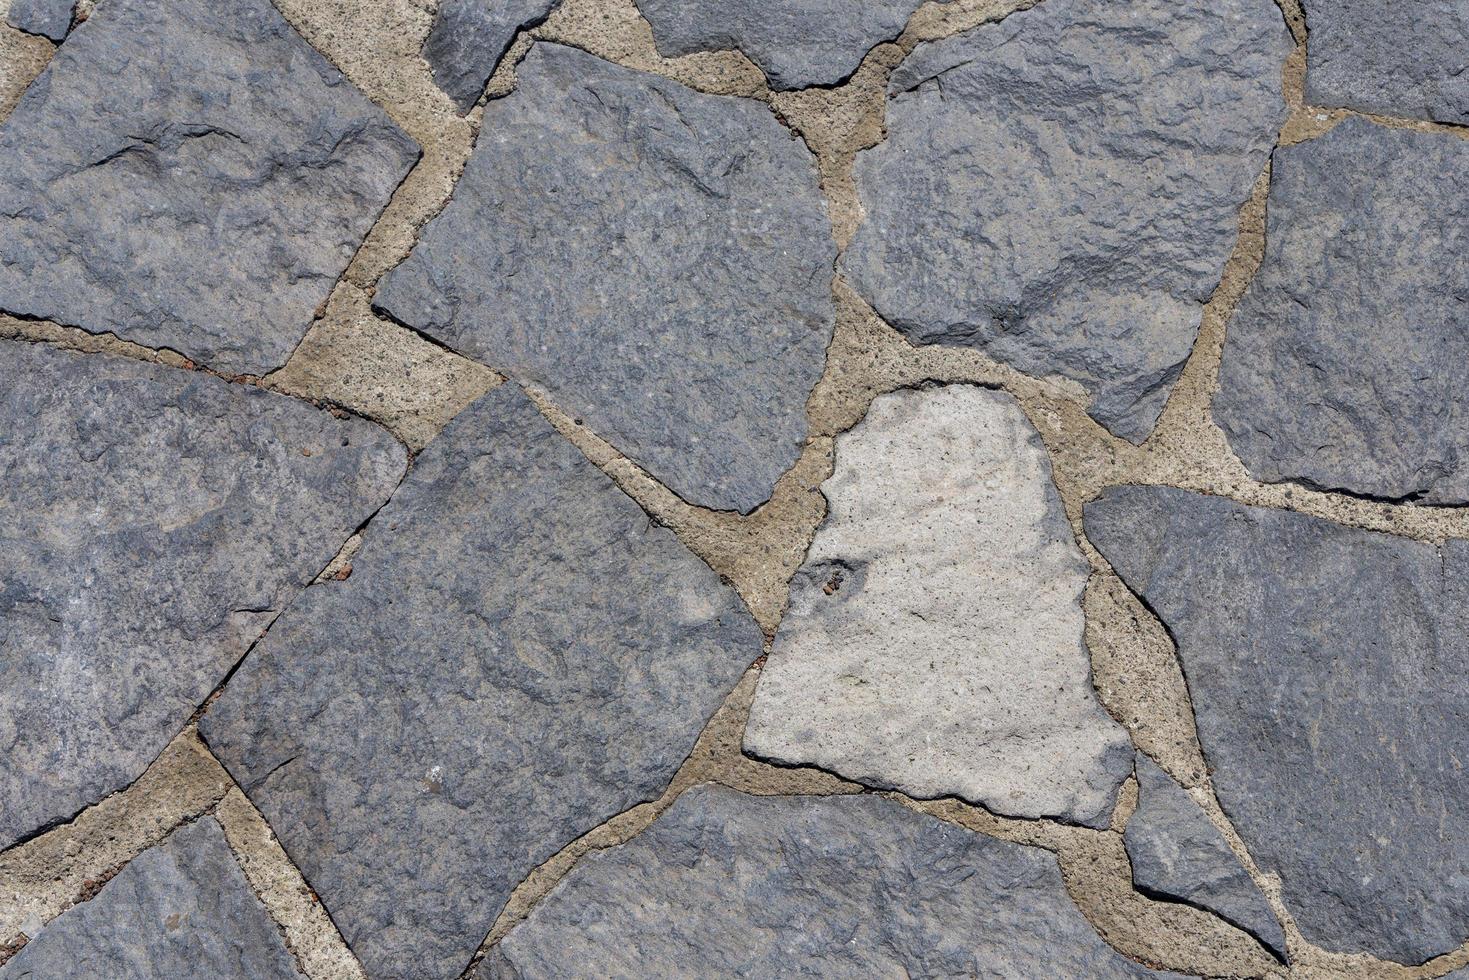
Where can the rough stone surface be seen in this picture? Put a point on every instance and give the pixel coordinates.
(657, 259)
(190, 175)
(728, 885)
(469, 38)
(181, 909)
(48, 18)
(1327, 667)
(1062, 188)
(1176, 852)
(797, 43)
(519, 655)
(154, 521)
(1393, 57)
(933, 642)
(1347, 361)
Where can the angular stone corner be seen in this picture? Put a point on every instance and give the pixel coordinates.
(933, 642)
(48, 18)
(1327, 668)
(1347, 363)
(190, 175)
(519, 655)
(468, 39)
(657, 259)
(181, 909)
(1177, 853)
(155, 521)
(1061, 189)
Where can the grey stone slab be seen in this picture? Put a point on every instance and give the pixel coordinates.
(48, 18)
(1327, 667)
(1061, 189)
(933, 642)
(190, 175)
(1177, 853)
(657, 259)
(181, 909)
(519, 655)
(153, 522)
(468, 39)
(797, 43)
(1393, 57)
(728, 885)
(1346, 365)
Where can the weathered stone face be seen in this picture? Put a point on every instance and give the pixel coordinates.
(725, 884)
(519, 655)
(469, 38)
(657, 259)
(1062, 188)
(1347, 361)
(48, 18)
(1327, 671)
(190, 175)
(933, 642)
(155, 521)
(181, 909)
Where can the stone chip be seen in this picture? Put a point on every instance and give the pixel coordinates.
(48, 18)
(468, 39)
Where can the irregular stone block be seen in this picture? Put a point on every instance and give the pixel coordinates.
(658, 259)
(1390, 57)
(519, 655)
(190, 175)
(155, 521)
(48, 18)
(1346, 364)
(797, 43)
(726, 885)
(181, 909)
(1327, 667)
(1177, 853)
(1061, 189)
(468, 39)
(933, 642)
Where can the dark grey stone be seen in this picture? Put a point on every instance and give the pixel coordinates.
(1061, 189)
(468, 39)
(1393, 57)
(190, 175)
(154, 521)
(1177, 853)
(48, 18)
(728, 885)
(1329, 672)
(181, 909)
(657, 259)
(519, 655)
(797, 43)
(1346, 365)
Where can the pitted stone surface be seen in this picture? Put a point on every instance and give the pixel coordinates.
(1062, 188)
(48, 18)
(1347, 362)
(519, 655)
(181, 909)
(1176, 852)
(469, 38)
(725, 884)
(933, 642)
(797, 43)
(190, 175)
(1392, 57)
(154, 521)
(657, 259)
(1327, 668)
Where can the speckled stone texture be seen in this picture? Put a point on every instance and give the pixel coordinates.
(1061, 189)
(469, 38)
(1327, 667)
(519, 655)
(933, 642)
(181, 909)
(1346, 364)
(797, 43)
(726, 885)
(190, 175)
(1392, 57)
(154, 522)
(48, 18)
(657, 259)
